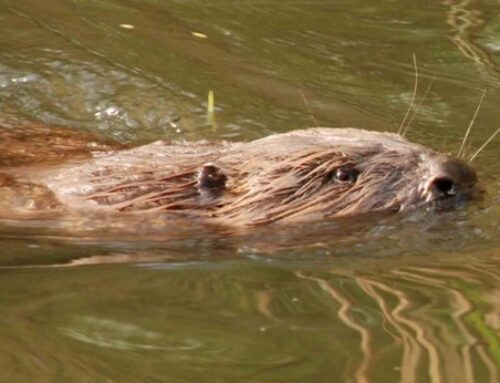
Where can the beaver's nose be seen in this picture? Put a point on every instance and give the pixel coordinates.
(451, 176)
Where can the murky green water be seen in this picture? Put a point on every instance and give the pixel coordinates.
(412, 298)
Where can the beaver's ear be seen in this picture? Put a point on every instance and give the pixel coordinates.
(211, 179)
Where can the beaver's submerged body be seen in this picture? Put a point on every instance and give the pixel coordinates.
(298, 176)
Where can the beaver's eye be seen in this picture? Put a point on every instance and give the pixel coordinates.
(345, 175)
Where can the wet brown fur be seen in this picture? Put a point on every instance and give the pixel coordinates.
(282, 178)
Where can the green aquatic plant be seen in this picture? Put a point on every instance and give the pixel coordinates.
(211, 110)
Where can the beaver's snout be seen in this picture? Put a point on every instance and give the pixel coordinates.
(451, 177)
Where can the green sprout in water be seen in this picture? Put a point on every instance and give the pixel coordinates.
(211, 110)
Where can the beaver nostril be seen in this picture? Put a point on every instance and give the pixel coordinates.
(445, 186)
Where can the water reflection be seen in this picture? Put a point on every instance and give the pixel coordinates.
(432, 315)
(397, 319)
(463, 19)
(108, 333)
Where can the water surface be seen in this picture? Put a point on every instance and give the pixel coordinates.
(412, 298)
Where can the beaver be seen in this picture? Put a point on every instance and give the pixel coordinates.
(299, 176)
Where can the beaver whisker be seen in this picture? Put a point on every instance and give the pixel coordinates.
(410, 106)
(417, 108)
(471, 158)
(309, 108)
(460, 153)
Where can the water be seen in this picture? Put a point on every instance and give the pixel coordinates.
(412, 298)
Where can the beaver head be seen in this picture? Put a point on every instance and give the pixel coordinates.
(298, 176)
(320, 173)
